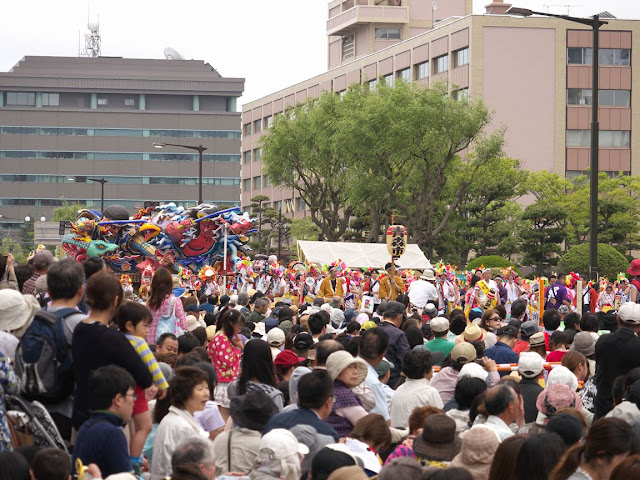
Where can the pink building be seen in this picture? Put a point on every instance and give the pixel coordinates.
(534, 73)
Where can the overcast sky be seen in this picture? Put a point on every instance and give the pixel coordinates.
(271, 43)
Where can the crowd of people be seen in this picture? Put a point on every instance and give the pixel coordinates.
(430, 381)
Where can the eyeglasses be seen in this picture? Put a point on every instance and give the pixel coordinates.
(495, 319)
(132, 395)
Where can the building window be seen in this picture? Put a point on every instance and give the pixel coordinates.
(246, 185)
(616, 98)
(348, 46)
(422, 70)
(607, 138)
(388, 80)
(388, 33)
(614, 56)
(461, 94)
(102, 101)
(300, 205)
(247, 128)
(607, 98)
(50, 99)
(268, 121)
(21, 98)
(247, 156)
(257, 183)
(404, 74)
(277, 206)
(129, 102)
(257, 155)
(342, 93)
(257, 125)
(373, 84)
(266, 182)
(579, 96)
(579, 56)
(440, 64)
(461, 57)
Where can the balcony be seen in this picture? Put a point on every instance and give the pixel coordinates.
(364, 14)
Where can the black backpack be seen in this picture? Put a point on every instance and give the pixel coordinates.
(43, 358)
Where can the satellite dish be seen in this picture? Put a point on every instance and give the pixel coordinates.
(171, 54)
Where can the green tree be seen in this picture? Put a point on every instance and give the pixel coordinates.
(610, 261)
(491, 261)
(67, 212)
(300, 153)
(27, 233)
(543, 234)
(488, 212)
(304, 229)
(10, 245)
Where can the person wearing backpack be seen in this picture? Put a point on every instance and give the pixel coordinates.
(167, 310)
(47, 342)
(96, 345)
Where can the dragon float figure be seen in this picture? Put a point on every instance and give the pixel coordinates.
(166, 235)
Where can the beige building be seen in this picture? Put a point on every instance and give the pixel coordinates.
(534, 73)
(64, 121)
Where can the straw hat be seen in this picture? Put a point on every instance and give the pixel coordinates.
(340, 360)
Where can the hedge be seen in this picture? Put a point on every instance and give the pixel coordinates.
(492, 261)
(610, 261)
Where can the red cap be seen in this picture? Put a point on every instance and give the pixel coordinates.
(287, 358)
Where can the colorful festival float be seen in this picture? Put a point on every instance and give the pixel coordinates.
(205, 239)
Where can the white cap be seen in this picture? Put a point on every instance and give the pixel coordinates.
(275, 337)
(281, 443)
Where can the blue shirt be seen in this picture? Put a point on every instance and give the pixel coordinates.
(102, 441)
(501, 353)
(301, 416)
(377, 387)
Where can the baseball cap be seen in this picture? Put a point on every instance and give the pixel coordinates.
(383, 367)
(529, 328)
(439, 324)
(530, 364)
(431, 310)
(282, 443)
(630, 313)
(536, 339)
(394, 308)
(303, 341)
(463, 353)
(275, 337)
(287, 358)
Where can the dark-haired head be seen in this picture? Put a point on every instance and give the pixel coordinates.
(65, 279)
(161, 287)
(257, 365)
(104, 291)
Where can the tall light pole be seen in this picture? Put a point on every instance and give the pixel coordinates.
(198, 149)
(595, 23)
(101, 181)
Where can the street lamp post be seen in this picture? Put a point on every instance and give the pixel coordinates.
(42, 220)
(595, 23)
(199, 149)
(101, 181)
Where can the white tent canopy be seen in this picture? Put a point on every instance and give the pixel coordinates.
(360, 255)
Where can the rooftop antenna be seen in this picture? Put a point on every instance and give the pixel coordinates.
(92, 39)
(567, 6)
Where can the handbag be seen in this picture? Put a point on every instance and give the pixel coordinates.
(19, 431)
(169, 323)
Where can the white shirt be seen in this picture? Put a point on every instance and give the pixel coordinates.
(411, 394)
(421, 291)
(498, 427)
(176, 426)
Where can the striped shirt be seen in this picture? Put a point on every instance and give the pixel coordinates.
(147, 357)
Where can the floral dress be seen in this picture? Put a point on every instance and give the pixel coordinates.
(10, 385)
